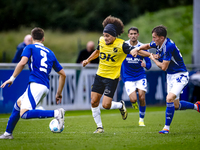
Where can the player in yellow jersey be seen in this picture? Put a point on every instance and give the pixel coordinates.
(111, 51)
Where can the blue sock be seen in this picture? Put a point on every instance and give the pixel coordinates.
(13, 119)
(36, 113)
(183, 105)
(142, 111)
(169, 113)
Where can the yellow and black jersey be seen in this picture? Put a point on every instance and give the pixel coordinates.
(111, 57)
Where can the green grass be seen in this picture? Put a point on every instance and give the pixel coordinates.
(119, 134)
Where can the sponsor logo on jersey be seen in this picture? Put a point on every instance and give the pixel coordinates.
(107, 57)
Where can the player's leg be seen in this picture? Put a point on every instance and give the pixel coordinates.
(97, 91)
(169, 114)
(33, 95)
(183, 105)
(177, 88)
(96, 113)
(141, 85)
(131, 91)
(142, 106)
(13, 119)
(110, 88)
(175, 84)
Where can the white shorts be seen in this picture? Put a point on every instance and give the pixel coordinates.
(131, 86)
(176, 83)
(33, 95)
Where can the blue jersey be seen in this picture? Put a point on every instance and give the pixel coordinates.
(131, 69)
(169, 52)
(41, 61)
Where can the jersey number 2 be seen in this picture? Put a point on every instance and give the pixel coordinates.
(43, 60)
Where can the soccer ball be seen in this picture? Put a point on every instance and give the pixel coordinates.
(54, 126)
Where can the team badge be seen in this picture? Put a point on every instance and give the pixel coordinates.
(115, 49)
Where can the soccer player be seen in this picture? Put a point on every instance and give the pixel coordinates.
(111, 51)
(41, 60)
(171, 61)
(134, 76)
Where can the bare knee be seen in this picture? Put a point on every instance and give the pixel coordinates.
(94, 103)
(106, 105)
(176, 104)
(22, 111)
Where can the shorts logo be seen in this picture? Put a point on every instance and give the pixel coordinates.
(107, 91)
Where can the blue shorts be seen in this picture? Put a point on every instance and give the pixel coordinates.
(105, 86)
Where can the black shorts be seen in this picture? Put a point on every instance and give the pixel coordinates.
(105, 85)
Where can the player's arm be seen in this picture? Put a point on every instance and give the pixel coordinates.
(139, 51)
(61, 84)
(18, 69)
(162, 65)
(94, 55)
(147, 63)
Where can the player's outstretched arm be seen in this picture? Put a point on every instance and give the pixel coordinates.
(138, 51)
(94, 55)
(60, 86)
(16, 72)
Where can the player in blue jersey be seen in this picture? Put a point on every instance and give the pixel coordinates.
(171, 61)
(134, 76)
(41, 60)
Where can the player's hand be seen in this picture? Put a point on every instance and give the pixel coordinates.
(85, 62)
(143, 64)
(58, 98)
(151, 56)
(156, 56)
(9, 82)
(134, 52)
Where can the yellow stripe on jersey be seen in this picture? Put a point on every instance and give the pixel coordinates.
(111, 58)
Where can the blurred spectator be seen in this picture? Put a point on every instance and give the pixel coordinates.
(20, 47)
(194, 87)
(85, 53)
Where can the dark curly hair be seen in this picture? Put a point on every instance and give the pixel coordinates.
(117, 22)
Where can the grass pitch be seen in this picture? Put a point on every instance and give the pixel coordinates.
(119, 134)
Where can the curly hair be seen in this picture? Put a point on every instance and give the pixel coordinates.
(116, 21)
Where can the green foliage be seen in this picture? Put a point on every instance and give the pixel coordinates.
(179, 23)
(65, 44)
(70, 15)
(119, 134)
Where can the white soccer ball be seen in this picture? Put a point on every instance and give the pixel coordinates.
(54, 126)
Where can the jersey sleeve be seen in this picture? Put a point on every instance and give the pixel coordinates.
(97, 46)
(148, 62)
(27, 51)
(168, 53)
(56, 66)
(153, 44)
(126, 48)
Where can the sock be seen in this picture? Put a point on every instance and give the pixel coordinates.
(166, 127)
(141, 120)
(195, 107)
(96, 115)
(183, 105)
(36, 113)
(142, 111)
(116, 105)
(13, 119)
(169, 113)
